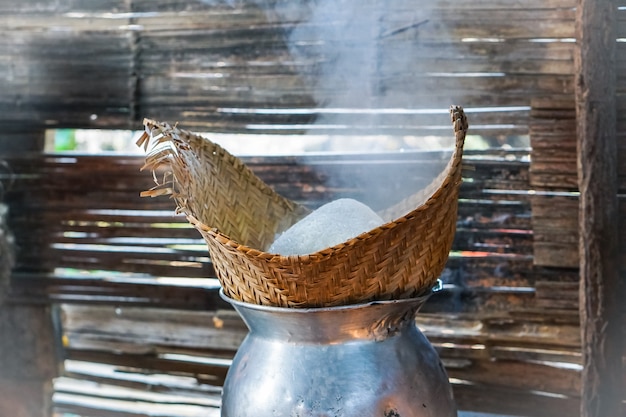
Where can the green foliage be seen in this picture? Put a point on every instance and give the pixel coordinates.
(65, 140)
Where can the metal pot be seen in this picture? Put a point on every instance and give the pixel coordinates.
(348, 361)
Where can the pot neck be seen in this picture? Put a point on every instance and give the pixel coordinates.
(376, 321)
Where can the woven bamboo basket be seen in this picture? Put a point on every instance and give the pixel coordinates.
(239, 216)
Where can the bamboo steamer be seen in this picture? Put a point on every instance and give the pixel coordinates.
(238, 215)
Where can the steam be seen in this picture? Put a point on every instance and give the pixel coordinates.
(362, 54)
(359, 52)
(358, 58)
(342, 41)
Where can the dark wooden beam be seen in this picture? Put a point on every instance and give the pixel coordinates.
(27, 350)
(597, 178)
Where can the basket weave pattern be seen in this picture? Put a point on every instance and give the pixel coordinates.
(239, 216)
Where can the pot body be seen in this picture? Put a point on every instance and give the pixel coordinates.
(349, 361)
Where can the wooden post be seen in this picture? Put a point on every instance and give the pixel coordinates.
(27, 352)
(597, 178)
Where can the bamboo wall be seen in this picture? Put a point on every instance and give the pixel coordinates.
(109, 64)
(506, 324)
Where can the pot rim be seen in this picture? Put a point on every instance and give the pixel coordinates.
(420, 298)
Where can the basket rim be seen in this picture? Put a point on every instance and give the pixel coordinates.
(422, 297)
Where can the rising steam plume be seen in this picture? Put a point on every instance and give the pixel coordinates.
(358, 58)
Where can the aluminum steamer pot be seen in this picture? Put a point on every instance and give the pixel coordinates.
(349, 361)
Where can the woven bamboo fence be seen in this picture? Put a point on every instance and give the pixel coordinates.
(142, 319)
